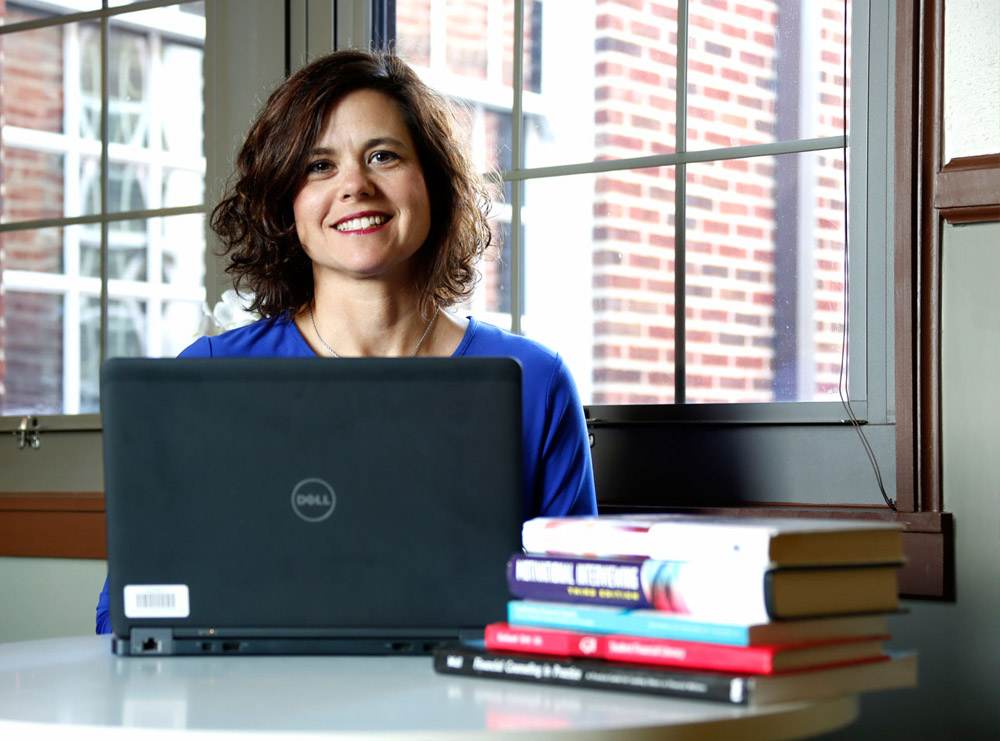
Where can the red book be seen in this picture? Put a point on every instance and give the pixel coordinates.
(663, 652)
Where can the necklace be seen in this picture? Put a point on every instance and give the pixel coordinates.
(413, 352)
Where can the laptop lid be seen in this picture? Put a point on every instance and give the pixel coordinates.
(292, 505)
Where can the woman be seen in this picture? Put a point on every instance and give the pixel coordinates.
(354, 221)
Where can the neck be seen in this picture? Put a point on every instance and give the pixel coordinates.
(370, 329)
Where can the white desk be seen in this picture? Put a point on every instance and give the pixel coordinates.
(75, 688)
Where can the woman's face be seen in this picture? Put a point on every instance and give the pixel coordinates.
(363, 210)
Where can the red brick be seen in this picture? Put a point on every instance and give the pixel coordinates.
(648, 354)
(644, 261)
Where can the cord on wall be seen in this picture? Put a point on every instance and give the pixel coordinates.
(845, 399)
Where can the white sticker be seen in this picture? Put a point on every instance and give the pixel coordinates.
(157, 601)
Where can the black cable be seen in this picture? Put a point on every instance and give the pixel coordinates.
(842, 384)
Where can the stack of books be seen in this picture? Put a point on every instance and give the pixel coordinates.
(741, 610)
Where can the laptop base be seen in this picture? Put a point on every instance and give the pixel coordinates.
(163, 642)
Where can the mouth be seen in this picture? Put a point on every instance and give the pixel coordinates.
(361, 223)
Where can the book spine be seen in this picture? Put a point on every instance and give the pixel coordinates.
(590, 536)
(590, 674)
(614, 620)
(662, 652)
(635, 649)
(580, 580)
(720, 591)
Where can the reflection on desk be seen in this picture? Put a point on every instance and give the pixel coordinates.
(76, 684)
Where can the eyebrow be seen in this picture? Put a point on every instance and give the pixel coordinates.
(370, 144)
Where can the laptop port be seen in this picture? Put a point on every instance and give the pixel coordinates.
(402, 647)
(230, 646)
(149, 641)
(150, 645)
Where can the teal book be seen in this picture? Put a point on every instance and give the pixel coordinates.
(659, 624)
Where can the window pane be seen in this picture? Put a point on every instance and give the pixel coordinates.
(34, 251)
(31, 353)
(181, 103)
(464, 49)
(180, 242)
(599, 281)
(765, 278)
(41, 115)
(605, 77)
(764, 71)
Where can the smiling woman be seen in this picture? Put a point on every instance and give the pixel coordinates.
(355, 221)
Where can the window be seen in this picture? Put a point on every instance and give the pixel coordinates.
(102, 171)
(674, 211)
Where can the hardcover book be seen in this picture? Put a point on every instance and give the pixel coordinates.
(678, 537)
(890, 671)
(767, 659)
(659, 624)
(709, 589)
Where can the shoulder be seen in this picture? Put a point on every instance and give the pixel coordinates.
(543, 369)
(485, 339)
(271, 337)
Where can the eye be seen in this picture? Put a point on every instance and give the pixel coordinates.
(383, 157)
(319, 167)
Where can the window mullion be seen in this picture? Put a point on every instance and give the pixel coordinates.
(517, 160)
(105, 184)
(680, 211)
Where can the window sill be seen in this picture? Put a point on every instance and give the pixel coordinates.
(53, 525)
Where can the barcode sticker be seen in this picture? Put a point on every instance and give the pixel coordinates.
(157, 601)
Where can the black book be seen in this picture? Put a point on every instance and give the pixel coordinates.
(892, 671)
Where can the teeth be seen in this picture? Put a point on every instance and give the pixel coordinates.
(365, 222)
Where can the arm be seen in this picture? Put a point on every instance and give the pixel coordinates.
(103, 621)
(565, 480)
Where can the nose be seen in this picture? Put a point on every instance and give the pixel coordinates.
(355, 182)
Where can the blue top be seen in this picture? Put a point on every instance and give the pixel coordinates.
(558, 474)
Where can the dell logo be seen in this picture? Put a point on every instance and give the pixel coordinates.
(313, 500)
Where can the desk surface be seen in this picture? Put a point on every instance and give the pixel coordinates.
(75, 684)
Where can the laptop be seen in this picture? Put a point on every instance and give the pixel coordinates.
(309, 506)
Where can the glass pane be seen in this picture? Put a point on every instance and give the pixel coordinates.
(182, 322)
(463, 48)
(183, 187)
(37, 251)
(38, 106)
(180, 244)
(599, 281)
(605, 82)
(466, 38)
(764, 71)
(765, 278)
(87, 397)
(32, 184)
(413, 31)
(129, 99)
(181, 100)
(31, 369)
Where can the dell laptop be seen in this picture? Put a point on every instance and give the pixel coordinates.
(300, 506)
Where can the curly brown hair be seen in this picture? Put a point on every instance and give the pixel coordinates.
(255, 221)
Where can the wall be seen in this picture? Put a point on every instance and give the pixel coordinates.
(958, 643)
(48, 597)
